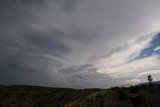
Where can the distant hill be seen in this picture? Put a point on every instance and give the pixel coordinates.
(38, 96)
(145, 84)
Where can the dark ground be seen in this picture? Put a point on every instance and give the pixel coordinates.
(35, 96)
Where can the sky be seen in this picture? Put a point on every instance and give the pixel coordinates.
(79, 43)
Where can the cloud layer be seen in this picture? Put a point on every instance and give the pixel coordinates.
(78, 43)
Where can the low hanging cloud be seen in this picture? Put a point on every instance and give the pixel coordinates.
(78, 43)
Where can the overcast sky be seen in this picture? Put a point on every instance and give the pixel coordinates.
(79, 43)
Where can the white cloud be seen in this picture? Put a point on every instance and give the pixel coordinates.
(137, 68)
(124, 57)
(121, 65)
(157, 48)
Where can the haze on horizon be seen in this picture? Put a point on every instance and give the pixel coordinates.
(79, 43)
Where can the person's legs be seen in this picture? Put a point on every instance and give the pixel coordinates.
(151, 87)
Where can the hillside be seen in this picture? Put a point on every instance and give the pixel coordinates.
(36, 96)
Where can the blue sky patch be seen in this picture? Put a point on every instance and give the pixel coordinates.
(149, 51)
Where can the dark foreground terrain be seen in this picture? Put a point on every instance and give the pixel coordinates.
(35, 96)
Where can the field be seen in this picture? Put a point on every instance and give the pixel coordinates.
(36, 96)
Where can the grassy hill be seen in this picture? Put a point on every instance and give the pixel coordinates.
(36, 96)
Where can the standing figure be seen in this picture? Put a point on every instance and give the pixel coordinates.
(150, 79)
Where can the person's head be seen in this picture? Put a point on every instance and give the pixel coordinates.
(149, 76)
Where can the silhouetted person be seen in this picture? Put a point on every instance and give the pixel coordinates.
(150, 79)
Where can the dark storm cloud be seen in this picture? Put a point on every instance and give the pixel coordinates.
(30, 55)
(48, 42)
(75, 69)
(23, 64)
(36, 41)
(85, 76)
(25, 51)
(39, 38)
(14, 72)
(24, 67)
(67, 5)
